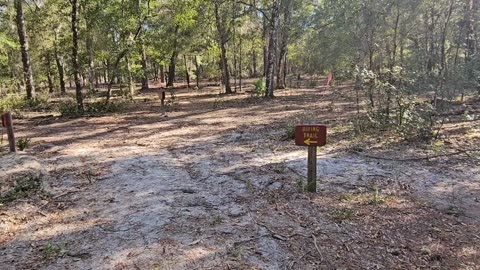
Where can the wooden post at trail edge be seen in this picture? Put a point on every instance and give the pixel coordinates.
(311, 136)
(312, 169)
(8, 123)
(163, 99)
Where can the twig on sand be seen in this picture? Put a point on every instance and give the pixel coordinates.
(273, 233)
(299, 259)
(64, 194)
(316, 246)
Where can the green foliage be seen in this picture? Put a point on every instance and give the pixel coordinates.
(377, 198)
(260, 88)
(289, 131)
(415, 121)
(12, 103)
(18, 103)
(347, 197)
(68, 108)
(23, 143)
(54, 249)
(24, 187)
(300, 184)
(343, 214)
(390, 106)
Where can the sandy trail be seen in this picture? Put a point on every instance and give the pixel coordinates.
(215, 189)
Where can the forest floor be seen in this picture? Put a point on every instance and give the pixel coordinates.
(215, 183)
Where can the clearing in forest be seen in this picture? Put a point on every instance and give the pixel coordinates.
(217, 183)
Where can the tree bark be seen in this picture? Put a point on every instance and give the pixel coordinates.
(131, 83)
(162, 74)
(272, 51)
(254, 61)
(197, 72)
(470, 20)
(187, 75)
(51, 85)
(76, 66)
(173, 59)
(22, 36)
(265, 50)
(283, 46)
(144, 67)
(222, 40)
(61, 71)
(89, 47)
(171, 69)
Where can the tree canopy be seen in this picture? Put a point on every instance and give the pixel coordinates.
(433, 44)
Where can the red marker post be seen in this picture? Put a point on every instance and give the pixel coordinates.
(311, 136)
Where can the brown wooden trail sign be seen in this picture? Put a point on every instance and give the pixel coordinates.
(311, 136)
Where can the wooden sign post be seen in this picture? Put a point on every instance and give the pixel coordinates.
(311, 136)
(163, 99)
(8, 123)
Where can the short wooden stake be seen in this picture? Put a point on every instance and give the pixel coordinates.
(312, 169)
(7, 117)
(163, 99)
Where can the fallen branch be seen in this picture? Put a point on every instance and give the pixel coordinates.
(316, 246)
(299, 259)
(273, 233)
(64, 194)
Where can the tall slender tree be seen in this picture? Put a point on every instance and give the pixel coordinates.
(22, 36)
(75, 63)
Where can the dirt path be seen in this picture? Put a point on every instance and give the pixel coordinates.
(213, 186)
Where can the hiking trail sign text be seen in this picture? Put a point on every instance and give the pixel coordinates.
(311, 136)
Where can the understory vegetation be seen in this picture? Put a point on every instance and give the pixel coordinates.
(407, 60)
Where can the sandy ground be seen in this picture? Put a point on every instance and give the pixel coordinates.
(214, 185)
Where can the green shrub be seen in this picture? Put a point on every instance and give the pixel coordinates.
(12, 103)
(18, 103)
(416, 122)
(22, 189)
(260, 88)
(69, 108)
(23, 143)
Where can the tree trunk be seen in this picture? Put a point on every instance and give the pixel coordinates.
(393, 60)
(254, 61)
(173, 59)
(272, 51)
(187, 75)
(155, 71)
(144, 67)
(112, 76)
(443, 59)
(222, 40)
(76, 66)
(51, 85)
(283, 46)
(22, 37)
(91, 68)
(470, 20)
(61, 71)
(240, 75)
(171, 69)
(131, 83)
(265, 50)
(197, 73)
(162, 74)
